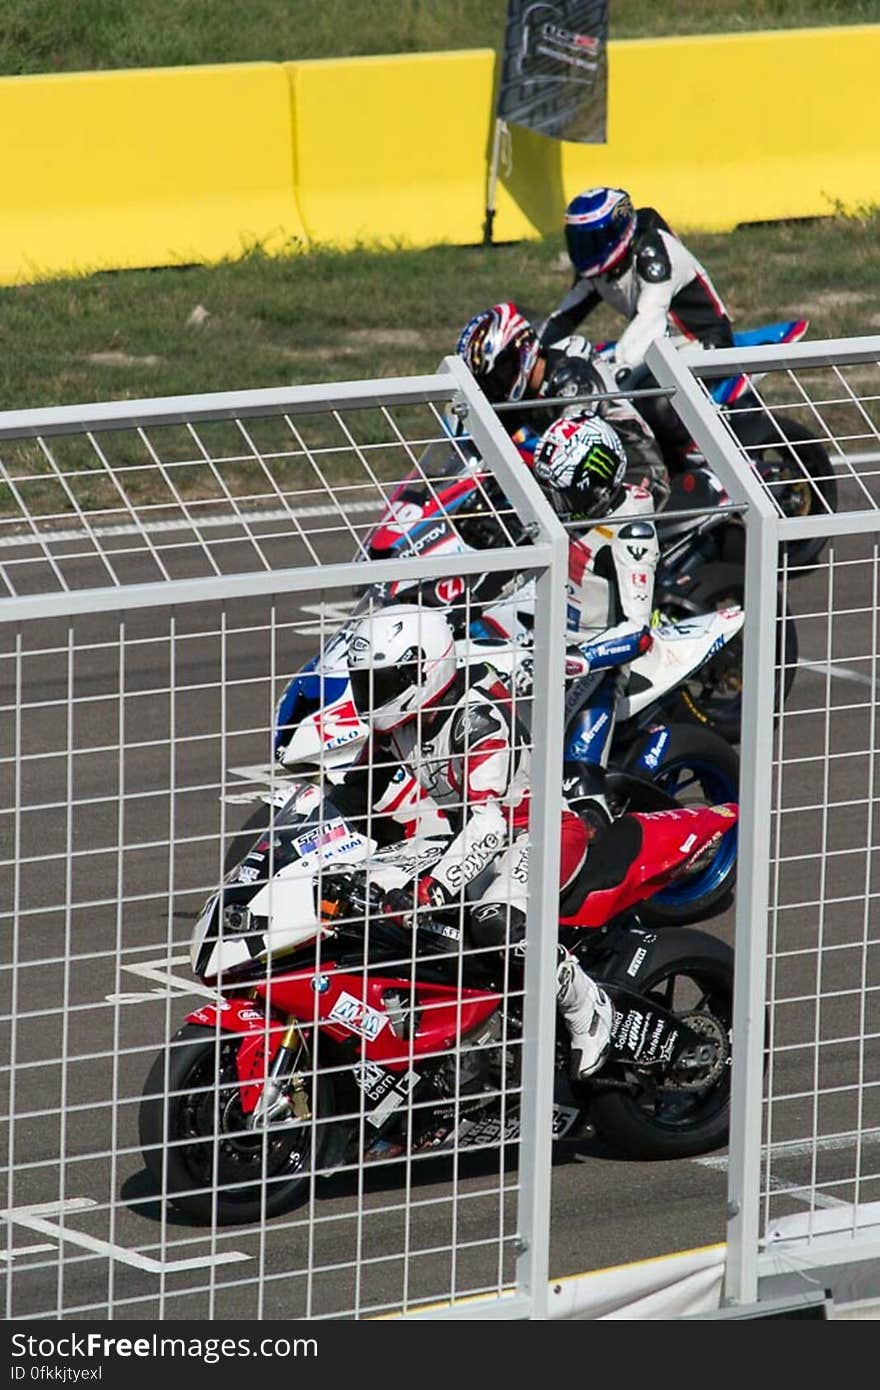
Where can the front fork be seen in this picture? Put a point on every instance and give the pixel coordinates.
(270, 1090)
(284, 1095)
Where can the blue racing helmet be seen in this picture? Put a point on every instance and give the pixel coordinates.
(599, 226)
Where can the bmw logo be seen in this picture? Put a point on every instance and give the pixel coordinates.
(320, 984)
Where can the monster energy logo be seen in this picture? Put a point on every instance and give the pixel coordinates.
(600, 461)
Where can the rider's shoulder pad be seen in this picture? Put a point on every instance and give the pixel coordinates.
(474, 722)
(636, 531)
(652, 259)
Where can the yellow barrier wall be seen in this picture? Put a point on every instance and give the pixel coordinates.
(715, 130)
(138, 168)
(396, 148)
(741, 128)
(165, 166)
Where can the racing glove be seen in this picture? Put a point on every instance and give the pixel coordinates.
(400, 905)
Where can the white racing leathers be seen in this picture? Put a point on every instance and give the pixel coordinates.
(664, 287)
(610, 598)
(461, 772)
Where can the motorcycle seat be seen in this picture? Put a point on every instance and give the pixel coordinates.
(609, 859)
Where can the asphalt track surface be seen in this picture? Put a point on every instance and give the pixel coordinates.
(74, 1139)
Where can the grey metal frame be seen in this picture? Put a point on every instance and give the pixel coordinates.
(546, 557)
(747, 1264)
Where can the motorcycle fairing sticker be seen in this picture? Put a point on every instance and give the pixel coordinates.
(387, 1090)
(357, 1017)
(652, 755)
(327, 838)
(488, 1131)
(580, 749)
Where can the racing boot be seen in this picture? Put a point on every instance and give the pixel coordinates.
(583, 786)
(588, 1014)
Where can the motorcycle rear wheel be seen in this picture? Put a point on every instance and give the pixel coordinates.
(195, 1144)
(798, 472)
(668, 1113)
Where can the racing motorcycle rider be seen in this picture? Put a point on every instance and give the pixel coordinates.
(447, 757)
(612, 558)
(505, 355)
(631, 259)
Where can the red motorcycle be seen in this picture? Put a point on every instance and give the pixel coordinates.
(320, 1053)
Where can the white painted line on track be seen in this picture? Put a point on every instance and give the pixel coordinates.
(194, 523)
(173, 986)
(20, 1250)
(798, 1148)
(804, 1194)
(331, 615)
(266, 775)
(830, 668)
(35, 1219)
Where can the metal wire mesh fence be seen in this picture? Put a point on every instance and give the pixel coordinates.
(805, 1180)
(244, 1078)
(169, 574)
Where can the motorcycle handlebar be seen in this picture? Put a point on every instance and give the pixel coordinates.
(353, 893)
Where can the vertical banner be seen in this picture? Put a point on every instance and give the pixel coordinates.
(554, 77)
(555, 68)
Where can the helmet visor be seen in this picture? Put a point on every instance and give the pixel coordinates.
(584, 503)
(375, 687)
(588, 247)
(498, 383)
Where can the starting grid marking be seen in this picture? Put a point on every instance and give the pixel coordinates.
(331, 616)
(801, 1148)
(194, 523)
(841, 673)
(170, 985)
(35, 1218)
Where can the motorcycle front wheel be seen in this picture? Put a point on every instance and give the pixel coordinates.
(196, 1144)
(712, 696)
(674, 1111)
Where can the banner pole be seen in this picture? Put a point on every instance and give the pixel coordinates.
(488, 224)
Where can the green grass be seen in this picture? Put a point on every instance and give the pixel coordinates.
(325, 316)
(329, 316)
(74, 35)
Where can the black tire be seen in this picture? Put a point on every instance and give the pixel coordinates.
(179, 1120)
(695, 767)
(799, 472)
(713, 696)
(666, 1120)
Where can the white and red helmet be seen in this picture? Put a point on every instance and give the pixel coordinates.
(401, 660)
(500, 347)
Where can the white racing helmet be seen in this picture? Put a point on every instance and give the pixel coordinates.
(400, 660)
